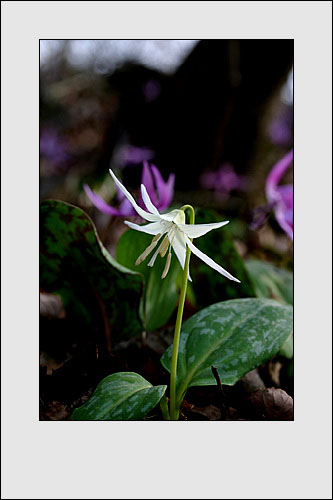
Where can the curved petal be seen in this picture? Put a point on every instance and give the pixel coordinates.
(102, 205)
(164, 189)
(196, 230)
(276, 174)
(177, 241)
(168, 193)
(147, 201)
(286, 193)
(283, 208)
(153, 228)
(179, 246)
(145, 215)
(281, 216)
(148, 182)
(209, 261)
(126, 208)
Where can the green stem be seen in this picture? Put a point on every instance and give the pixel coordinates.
(164, 408)
(174, 408)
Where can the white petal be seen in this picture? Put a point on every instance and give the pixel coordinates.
(179, 246)
(176, 216)
(196, 230)
(147, 201)
(153, 228)
(139, 210)
(209, 261)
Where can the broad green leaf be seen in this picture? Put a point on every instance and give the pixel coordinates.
(160, 295)
(287, 350)
(274, 282)
(271, 281)
(209, 286)
(121, 396)
(98, 292)
(235, 336)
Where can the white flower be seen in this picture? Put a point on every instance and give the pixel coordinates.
(177, 234)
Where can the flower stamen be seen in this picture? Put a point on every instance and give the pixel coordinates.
(149, 248)
(162, 249)
(167, 265)
(164, 246)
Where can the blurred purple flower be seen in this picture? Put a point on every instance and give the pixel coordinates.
(160, 192)
(125, 208)
(224, 180)
(134, 155)
(260, 216)
(151, 89)
(280, 198)
(280, 129)
(53, 148)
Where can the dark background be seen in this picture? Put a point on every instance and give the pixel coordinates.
(216, 103)
(190, 107)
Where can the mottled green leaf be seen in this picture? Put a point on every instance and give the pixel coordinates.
(274, 282)
(121, 396)
(160, 295)
(210, 286)
(235, 336)
(271, 281)
(287, 350)
(96, 290)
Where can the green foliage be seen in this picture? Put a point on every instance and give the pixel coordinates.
(235, 336)
(209, 286)
(95, 289)
(271, 281)
(287, 350)
(121, 396)
(160, 297)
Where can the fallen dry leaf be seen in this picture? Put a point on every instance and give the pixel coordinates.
(252, 381)
(273, 404)
(51, 306)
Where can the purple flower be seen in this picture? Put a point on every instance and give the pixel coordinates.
(53, 148)
(160, 192)
(125, 208)
(280, 198)
(280, 129)
(132, 155)
(224, 180)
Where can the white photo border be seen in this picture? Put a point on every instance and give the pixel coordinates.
(167, 459)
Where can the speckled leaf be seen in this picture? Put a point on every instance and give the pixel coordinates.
(98, 292)
(271, 281)
(235, 336)
(287, 350)
(209, 286)
(160, 295)
(121, 396)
